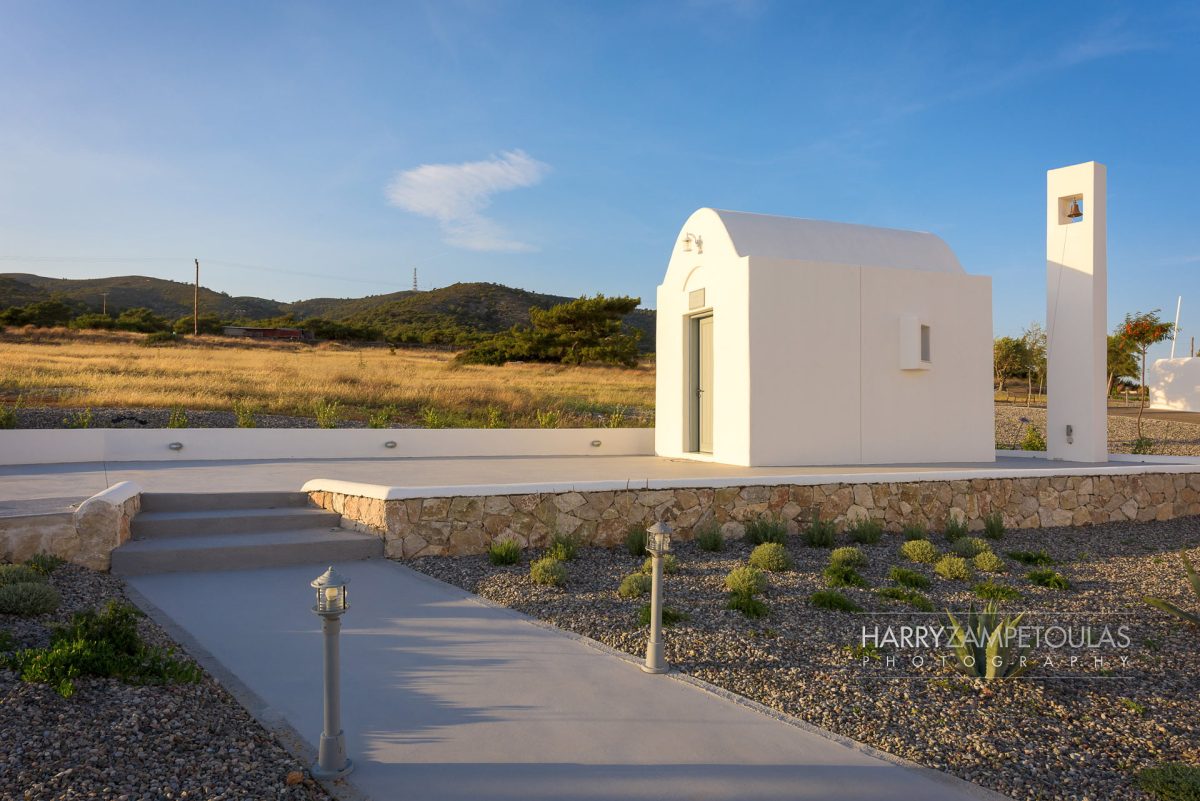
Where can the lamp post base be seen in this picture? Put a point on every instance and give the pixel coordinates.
(663, 668)
(320, 773)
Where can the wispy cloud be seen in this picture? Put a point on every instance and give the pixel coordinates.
(456, 194)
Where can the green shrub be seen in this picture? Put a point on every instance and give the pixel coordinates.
(746, 581)
(161, 338)
(919, 551)
(1039, 558)
(549, 572)
(1142, 445)
(748, 605)
(669, 563)
(865, 530)
(770, 556)
(970, 547)
(708, 537)
(952, 567)
(1033, 440)
(988, 562)
(992, 591)
(820, 533)
(1170, 781)
(243, 412)
(178, 418)
(906, 595)
(1050, 579)
(848, 556)
(105, 644)
(955, 527)
(504, 552)
(8, 414)
(843, 576)
(987, 647)
(26, 599)
(547, 419)
(915, 531)
(327, 412)
(635, 541)
(834, 600)
(669, 616)
(80, 419)
(766, 529)
(563, 547)
(993, 526)
(1171, 609)
(908, 578)
(20, 574)
(45, 563)
(635, 585)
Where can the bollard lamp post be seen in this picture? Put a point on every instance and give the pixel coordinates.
(658, 543)
(331, 604)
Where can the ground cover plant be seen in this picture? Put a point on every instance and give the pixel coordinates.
(770, 556)
(1049, 578)
(709, 537)
(820, 533)
(865, 530)
(548, 572)
(106, 644)
(766, 528)
(670, 564)
(919, 551)
(504, 552)
(1068, 735)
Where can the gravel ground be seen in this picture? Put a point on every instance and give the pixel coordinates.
(54, 417)
(116, 741)
(1063, 732)
(1171, 438)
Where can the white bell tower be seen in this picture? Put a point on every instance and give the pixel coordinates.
(1077, 313)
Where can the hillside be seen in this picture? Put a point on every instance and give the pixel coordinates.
(474, 307)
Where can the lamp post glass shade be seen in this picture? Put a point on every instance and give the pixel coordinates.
(658, 538)
(332, 597)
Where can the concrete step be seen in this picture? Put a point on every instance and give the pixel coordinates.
(243, 551)
(154, 525)
(208, 501)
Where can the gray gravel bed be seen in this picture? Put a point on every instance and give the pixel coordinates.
(117, 741)
(1171, 437)
(54, 417)
(1079, 734)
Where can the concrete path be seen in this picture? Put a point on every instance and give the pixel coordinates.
(449, 698)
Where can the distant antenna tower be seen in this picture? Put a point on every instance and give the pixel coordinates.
(414, 279)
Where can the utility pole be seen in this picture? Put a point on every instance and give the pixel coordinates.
(414, 279)
(104, 303)
(196, 303)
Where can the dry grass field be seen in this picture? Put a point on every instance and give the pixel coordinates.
(58, 368)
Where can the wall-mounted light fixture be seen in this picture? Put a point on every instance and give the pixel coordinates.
(391, 443)
(176, 446)
(693, 239)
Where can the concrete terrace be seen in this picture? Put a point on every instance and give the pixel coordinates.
(39, 489)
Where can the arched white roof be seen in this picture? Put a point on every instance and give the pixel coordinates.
(768, 236)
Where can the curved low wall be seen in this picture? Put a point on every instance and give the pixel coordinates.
(54, 446)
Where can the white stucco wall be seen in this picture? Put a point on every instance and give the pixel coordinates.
(52, 446)
(807, 356)
(1175, 384)
(1077, 316)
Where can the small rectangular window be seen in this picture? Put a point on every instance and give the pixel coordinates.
(925, 343)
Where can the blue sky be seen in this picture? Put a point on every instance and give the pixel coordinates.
(312, 149)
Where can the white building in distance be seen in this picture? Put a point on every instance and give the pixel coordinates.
(785, 341)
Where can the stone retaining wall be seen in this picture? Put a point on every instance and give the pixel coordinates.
(85, 537)
(468, 524)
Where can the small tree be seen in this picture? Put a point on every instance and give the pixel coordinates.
(1034, 338)
(1009, 358)
(1121, 360)
(1140, 331)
